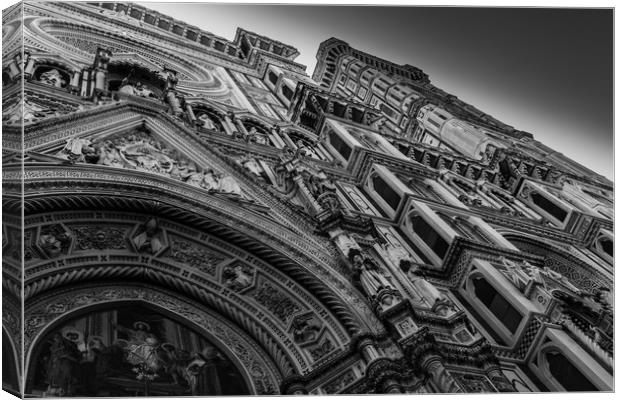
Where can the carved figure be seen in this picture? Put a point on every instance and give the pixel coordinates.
(109, 155)
(142, 91)
(319, 183)
(253, 167)
(53, 244)
(306, 329)
(206, 122)
(238, 277)
(150, 238)
(303, 150)
(210, 181)
(194, 177)
(427, 290)
(228, 184)
(76, 149)
(141, 346)
(514, 273)
(175, 362)
(370, 275)
(52, 78)
(61, 365)
(202, 373)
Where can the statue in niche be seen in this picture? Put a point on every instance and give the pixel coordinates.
(303, 150)
(256, 137)
(150, 237)
(142, 91)
(61, 366)
(370, 275)
(52, 78)
(427, 290)
(77, 150)
(319, 183)
(126, 85)
(206, 122)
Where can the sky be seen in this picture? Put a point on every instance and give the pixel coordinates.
(545, 71)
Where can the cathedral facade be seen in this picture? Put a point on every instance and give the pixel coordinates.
(188, 215)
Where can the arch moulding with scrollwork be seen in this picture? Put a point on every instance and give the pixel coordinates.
(49, 310)
(87, 194)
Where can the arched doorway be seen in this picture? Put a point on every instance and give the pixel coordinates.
(120, 340)
(129, 349)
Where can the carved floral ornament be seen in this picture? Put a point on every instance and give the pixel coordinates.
(49, 311)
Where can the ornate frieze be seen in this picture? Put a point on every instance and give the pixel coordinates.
(276, 301)
(89, 237)
(194, 255)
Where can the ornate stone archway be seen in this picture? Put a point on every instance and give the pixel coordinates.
(288, 284)
(48, 311)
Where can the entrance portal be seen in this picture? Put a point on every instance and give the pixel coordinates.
(130, 350)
